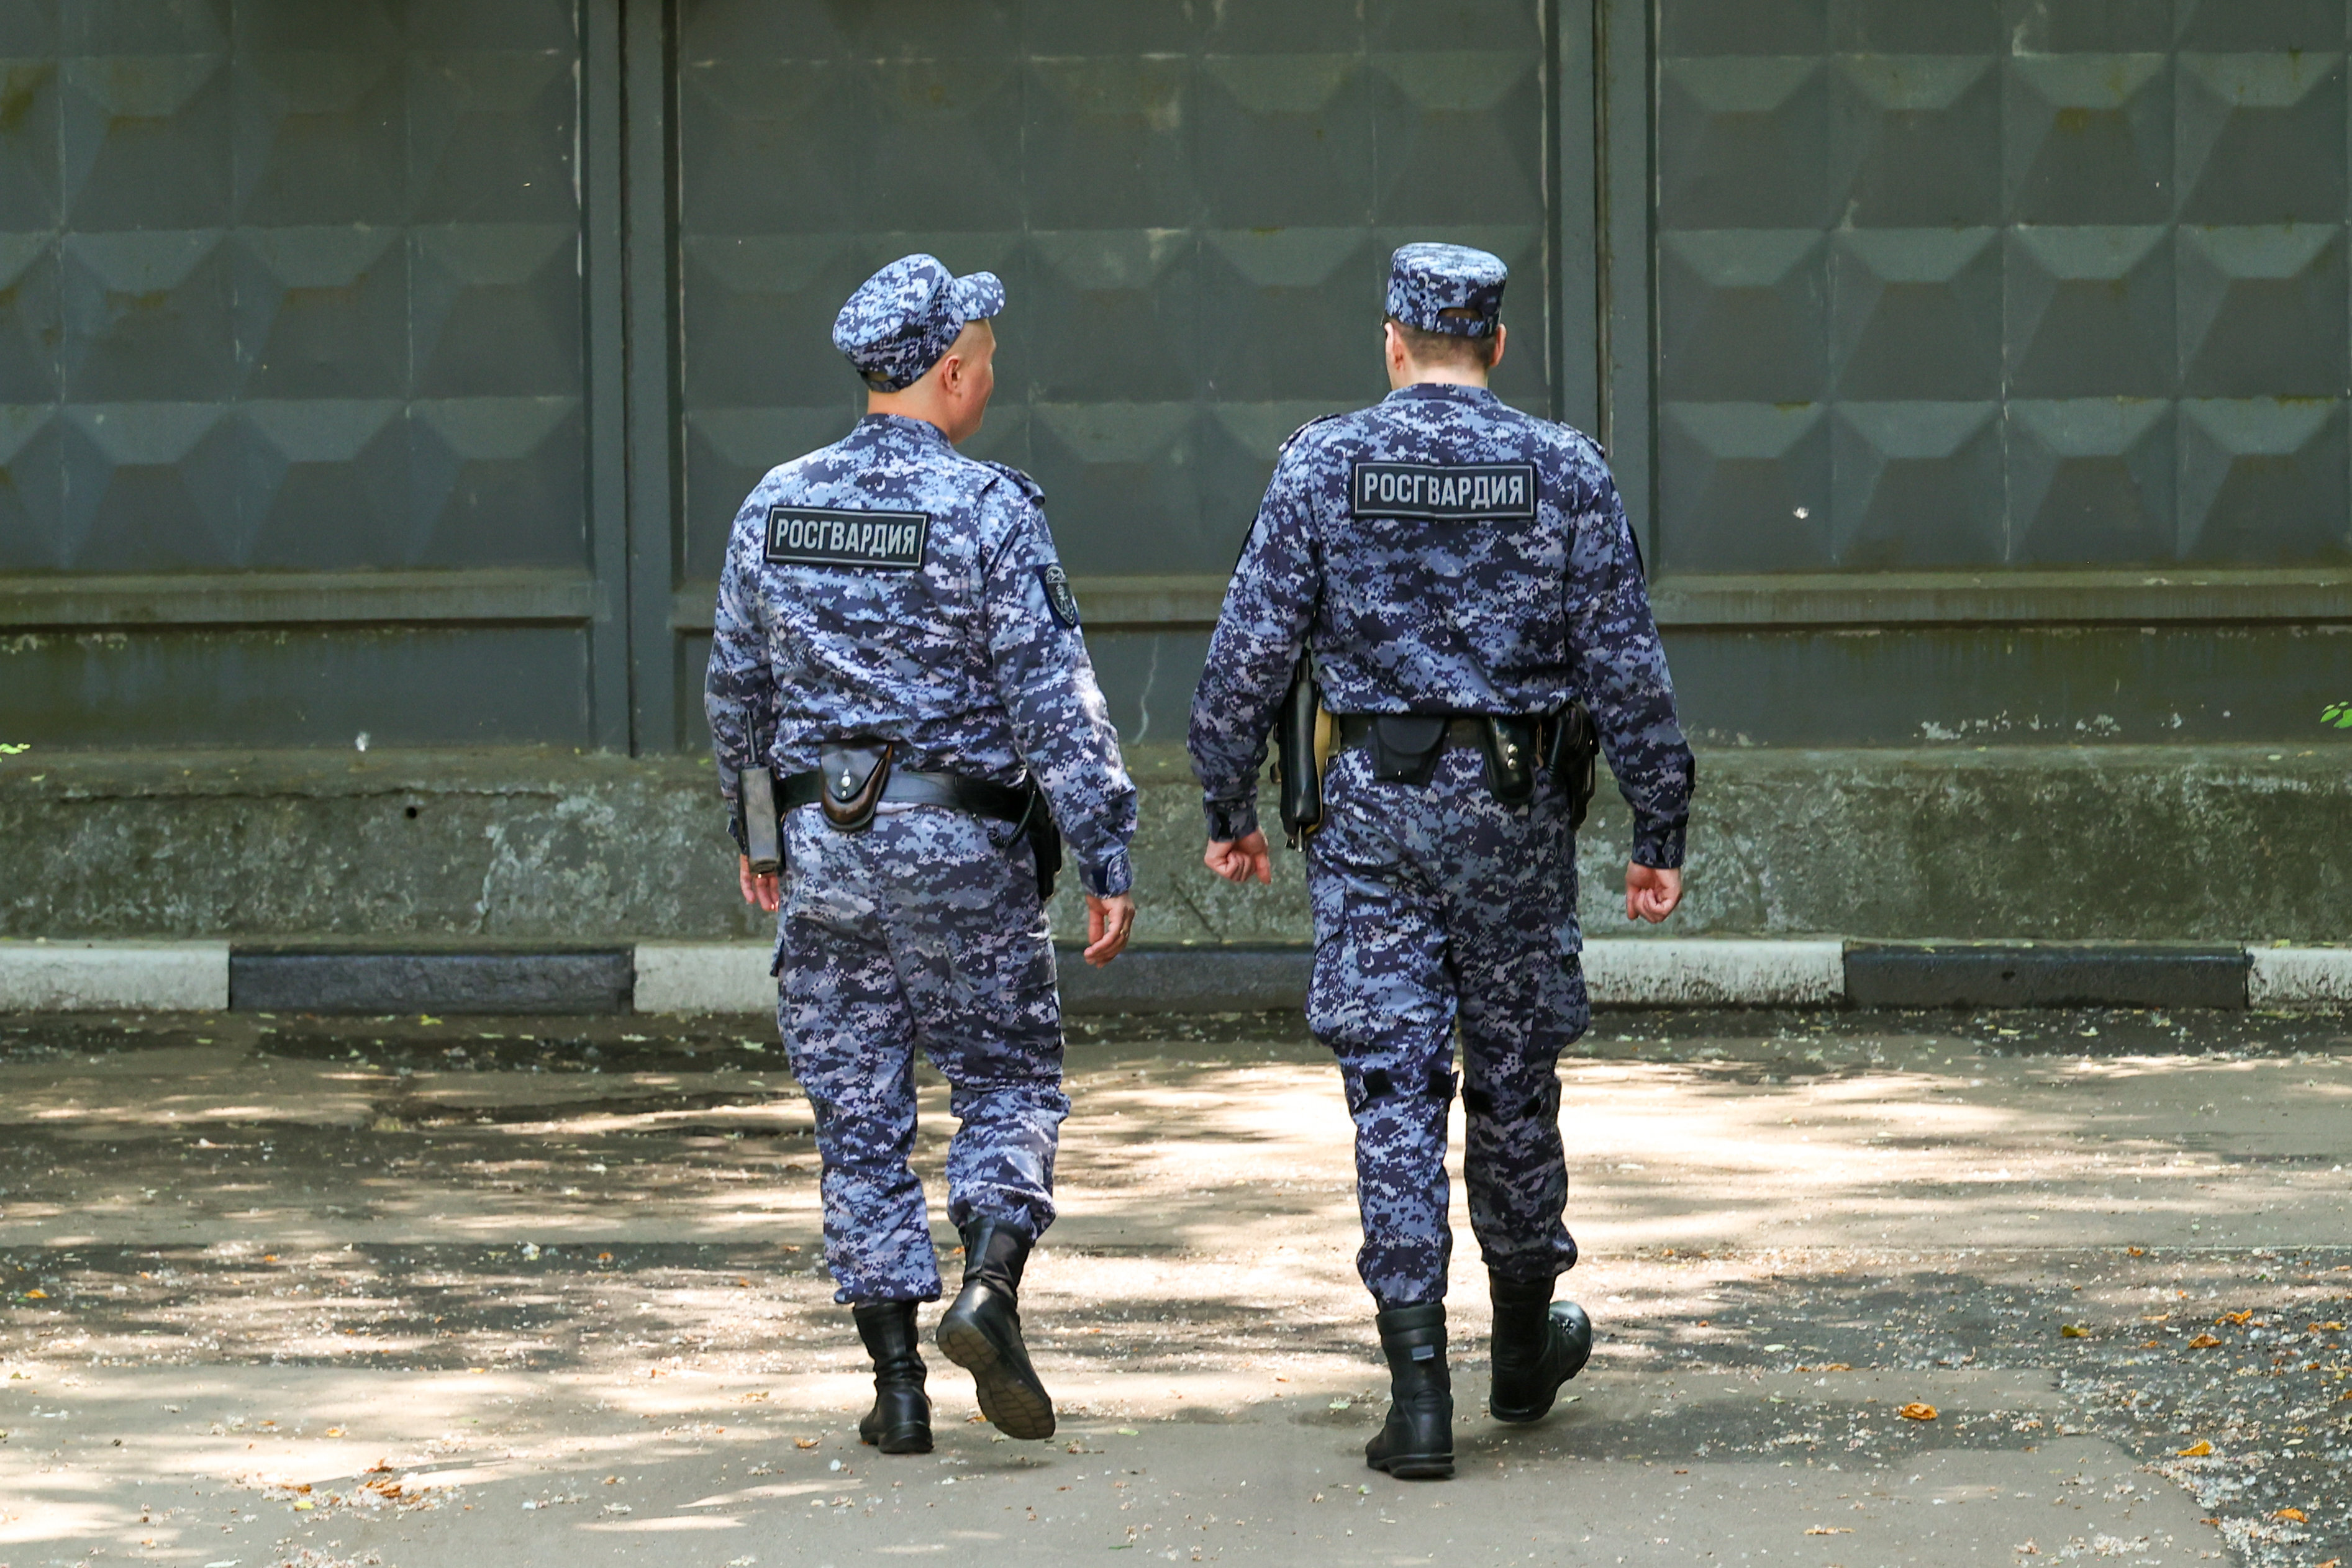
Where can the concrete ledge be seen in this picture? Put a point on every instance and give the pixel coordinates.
(64, 976)
(1187, 980)
(1705, 973)
(348, 982)
(2043, 974)
(2299, 977)
(705, 978)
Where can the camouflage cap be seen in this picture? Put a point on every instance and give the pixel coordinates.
(904, 317)
(1427, 280)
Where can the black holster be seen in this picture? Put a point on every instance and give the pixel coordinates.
(1511, 747)
(1294, 767)
(1044, 840)
(852, 775)
(1574, 744)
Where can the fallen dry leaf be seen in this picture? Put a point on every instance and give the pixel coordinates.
(2328, 1328)
(2073, 1331)
(2136, 1251)
(1914, 1411)
(2235, 1317)
(2296, 1514)
(2203, 1342)
(37, 1294)
(1827, 1530)
(2195, 1450)
(803, 1442)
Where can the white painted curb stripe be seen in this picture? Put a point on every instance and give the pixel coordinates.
(2298, 977)
(70, 975)
(1630, 972)
(705, 978)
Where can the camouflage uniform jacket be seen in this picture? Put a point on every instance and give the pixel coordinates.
(971, 659)
(1471, 613)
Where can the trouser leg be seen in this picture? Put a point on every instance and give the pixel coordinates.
(1381, 998)
(1523, 1002)
(846, 1027)
(977, 958)
(848, 1031)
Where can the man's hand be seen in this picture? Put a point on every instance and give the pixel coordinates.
(1650, 893)
(1238, 860)
(759, 889)
(1108, 922)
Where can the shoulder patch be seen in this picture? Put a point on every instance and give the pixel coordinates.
(1029, 487)
(1058, 597)
(838, 535)
(1294, 436)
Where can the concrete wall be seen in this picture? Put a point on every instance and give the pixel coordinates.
(2191, 842)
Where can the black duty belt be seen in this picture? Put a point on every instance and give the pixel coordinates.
(1464, 730)
(907, 787)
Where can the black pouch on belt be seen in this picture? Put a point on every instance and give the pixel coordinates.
(853, 774)
(1405, 746)
(1510, 746)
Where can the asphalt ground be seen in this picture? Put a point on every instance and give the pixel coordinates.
(413, 1292)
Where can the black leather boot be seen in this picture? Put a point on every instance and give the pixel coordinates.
(1539, 1346)
(900, 1421)
(1417, 1444)
(980, 1331)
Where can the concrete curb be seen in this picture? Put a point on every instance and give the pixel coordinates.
(1710, 973)
(78, 976)
(72, 975)
(342, 981)
(2298, 977)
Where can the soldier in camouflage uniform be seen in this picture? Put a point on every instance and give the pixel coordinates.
(1445, 555)
(887, 590)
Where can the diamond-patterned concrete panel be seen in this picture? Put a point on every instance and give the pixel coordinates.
(323, 312)
(496, 481)
(145, 141)
(1108, 142)
(148, 315)
(2262, 480)
(1915, 483)
(153, 484)
(2091, 480)
(2261, 137)
(1745, 487)
(2089, 139)
(1285, 138)
(32, 489)
(497, 309)
(1916, 313)
(1459, 135)
(1743, 144)
(321, 135)
(327, 484)
(1917, 139)
(1745, 312)
(2262, 311)
(2091, 312)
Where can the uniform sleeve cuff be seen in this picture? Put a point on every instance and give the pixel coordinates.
(1658, 842)
(1109, 880)
(1231, 820)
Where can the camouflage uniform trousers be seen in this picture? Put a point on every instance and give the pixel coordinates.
(923, 930)
(1434, 907)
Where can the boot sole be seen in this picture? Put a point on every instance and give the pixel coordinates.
(1016, 1407)
(1417, 1467)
